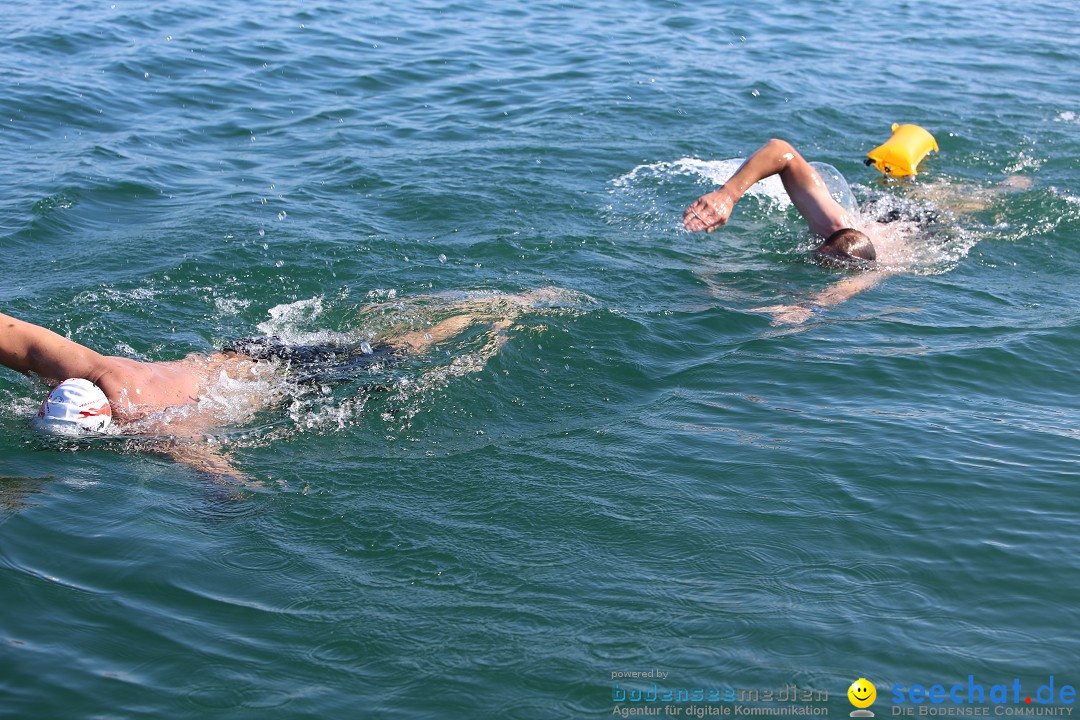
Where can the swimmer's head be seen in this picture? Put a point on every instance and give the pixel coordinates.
(846, 245)
(74, 407)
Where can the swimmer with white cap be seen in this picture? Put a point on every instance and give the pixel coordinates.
(93, 390)
(130, 388)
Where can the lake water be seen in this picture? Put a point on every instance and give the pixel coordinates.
(647, 473)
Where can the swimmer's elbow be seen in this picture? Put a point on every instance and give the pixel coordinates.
(782, 146)
(782, 153)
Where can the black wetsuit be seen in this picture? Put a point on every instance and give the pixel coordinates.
(317, 363)
(925, 217)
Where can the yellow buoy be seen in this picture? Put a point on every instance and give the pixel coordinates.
(904, 151)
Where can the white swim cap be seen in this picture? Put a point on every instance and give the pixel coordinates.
(74, 407)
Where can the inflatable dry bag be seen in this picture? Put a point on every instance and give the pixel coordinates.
(904, 151)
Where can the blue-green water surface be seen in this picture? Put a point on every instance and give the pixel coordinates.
(647, 474)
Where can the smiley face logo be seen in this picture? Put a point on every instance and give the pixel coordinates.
(862, 694)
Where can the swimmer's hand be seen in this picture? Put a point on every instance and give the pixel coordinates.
(709, 211)
(787, 314)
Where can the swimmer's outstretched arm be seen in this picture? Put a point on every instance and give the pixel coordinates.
(835, 294)
(26, 348)
(803, 184)
(207, 461)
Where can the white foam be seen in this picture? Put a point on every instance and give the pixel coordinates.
(125, 350)
(290, 320)
(1065, 196)
(714, 172)
(1024, 161)
(230, 306)
(123, 298)
(908, 246)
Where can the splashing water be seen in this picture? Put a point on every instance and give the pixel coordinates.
(717, 172)
(919, 227)
(229, 409)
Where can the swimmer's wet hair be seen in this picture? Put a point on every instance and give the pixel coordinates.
(847, 244)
